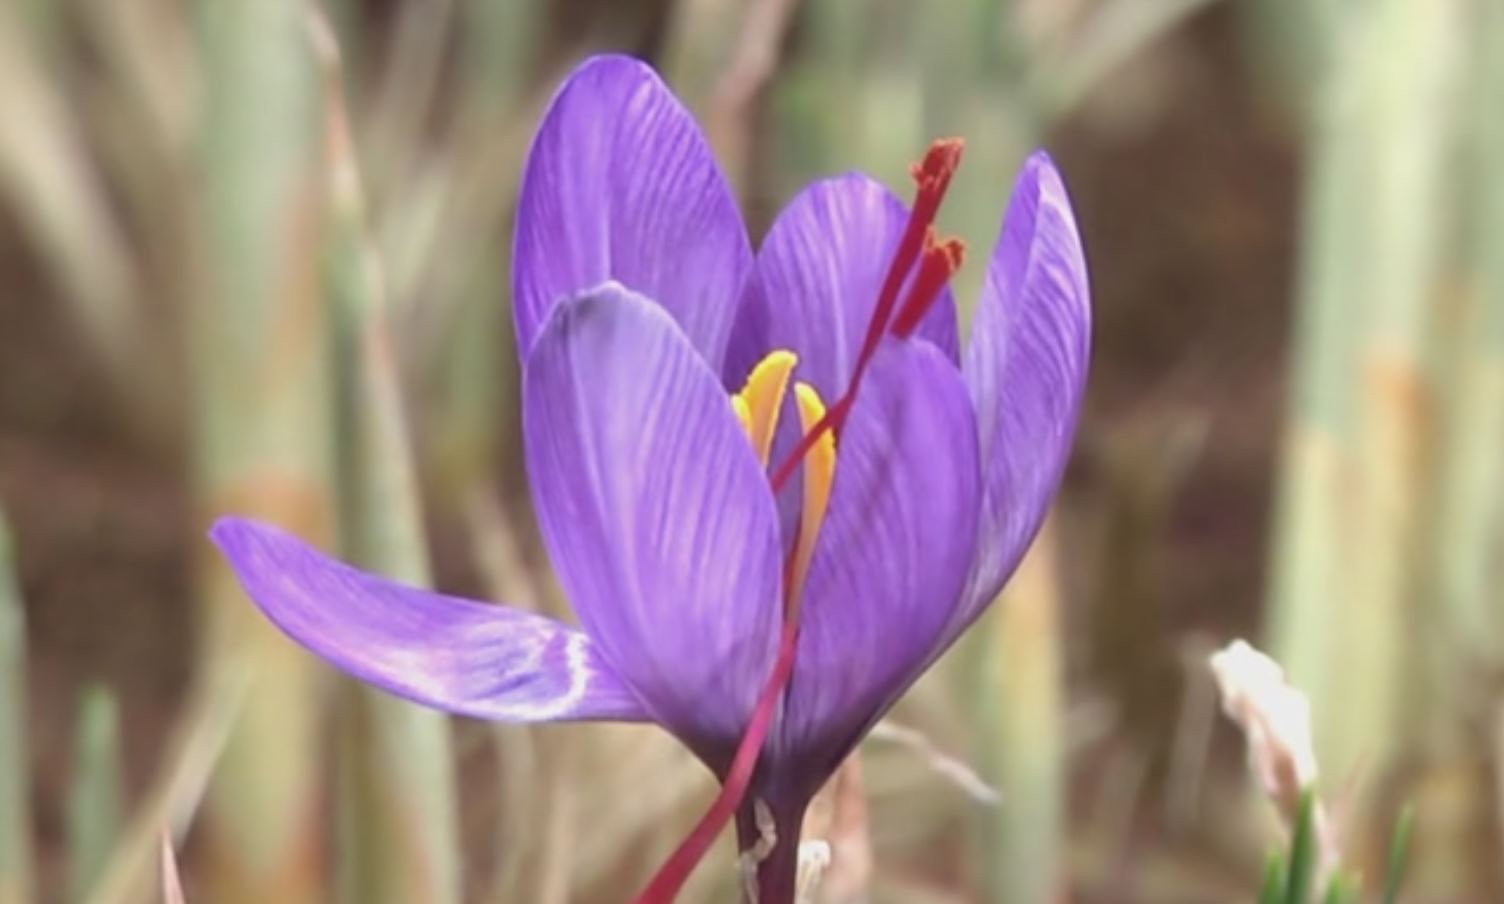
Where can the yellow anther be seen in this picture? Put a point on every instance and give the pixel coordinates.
(757, 407)
(819, 474)
(743, 413)
(758, 403)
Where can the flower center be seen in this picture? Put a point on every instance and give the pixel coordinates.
(937, 261)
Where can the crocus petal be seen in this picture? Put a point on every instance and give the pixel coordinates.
(468, 658)
(892, 553)
(817, 278)
(621, 185)
(1026, 366)
(655, 510)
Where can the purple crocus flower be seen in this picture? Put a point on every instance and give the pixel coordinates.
(667, 372)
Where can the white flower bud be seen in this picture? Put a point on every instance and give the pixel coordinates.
(1275, 718)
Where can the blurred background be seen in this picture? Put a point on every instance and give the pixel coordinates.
(254, 259)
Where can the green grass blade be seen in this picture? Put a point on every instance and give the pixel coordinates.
(260, 428)
(191, 755)
(94, 798)
(1303, 853)
(1020, 700)
(62, 205)
(1472, 491)
(1340, 890)
(16, 880)
(397, 811)
(1349, 536)
(1276, 878)
(1399, 855)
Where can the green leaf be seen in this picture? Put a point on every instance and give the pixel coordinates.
(1302, 852)
(1399, 854)
(1340, 890)
(1273, 889)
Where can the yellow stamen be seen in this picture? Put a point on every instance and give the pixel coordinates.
(757, 407)
(819, 474)
(743, 413)
(758, 403)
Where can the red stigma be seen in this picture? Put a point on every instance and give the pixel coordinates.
(937, 262)
(932, 177)
(940, 261)
(932, 174)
